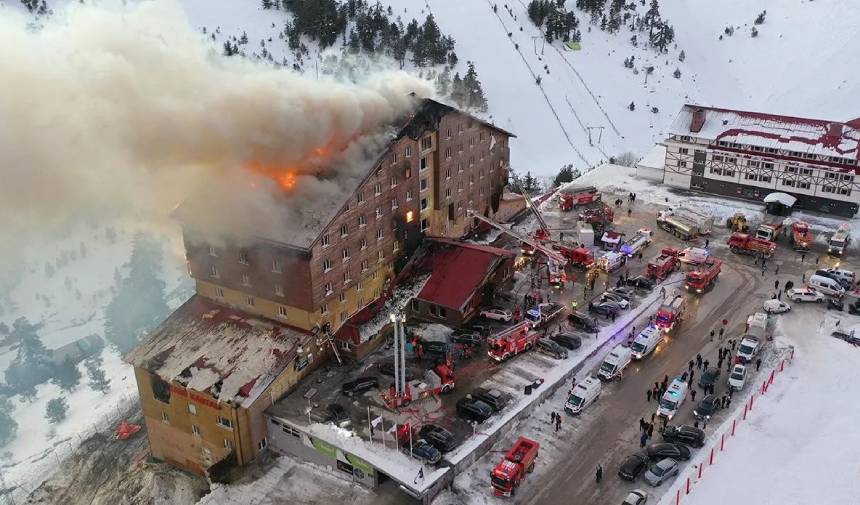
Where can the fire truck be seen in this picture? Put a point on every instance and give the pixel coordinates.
(670, 312)
(512, 341)
(510, 472)
(435, 382)
(800, 236)
(769, 231)
(636, 243)
(599, 216)
(664, 264)
(703, 278)
(741, 243)
(575, 197)
(580, 257)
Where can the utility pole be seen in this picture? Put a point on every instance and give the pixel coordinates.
(535, 38)
(599, 134)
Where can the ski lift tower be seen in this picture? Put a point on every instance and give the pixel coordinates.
(399, 355)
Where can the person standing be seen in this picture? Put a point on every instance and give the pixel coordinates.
(693, 394)
(557, 423)
(648, 394)
(643, 439)
(757, 364)
(776, 285)
(722, 331)
(598, 474)
(552, 417)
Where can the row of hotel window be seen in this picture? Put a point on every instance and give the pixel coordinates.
(793, 183)
(223, 422)
(328, 287)
(768, 166)
(772, 150)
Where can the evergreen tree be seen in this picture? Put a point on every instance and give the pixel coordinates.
(529, 183)
(760, 18)
(677, 73)
(652, 17)
(474, 94)
(632, 106)
(66, 375)
(662, 36)
(98, 380)
(8, 426)
(443, 82)
(564, 175)
(458, 90)
(682, 55)
(56, 410)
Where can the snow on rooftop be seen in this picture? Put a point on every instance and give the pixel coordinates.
(655, 158)
(227, 354)
(395, 305)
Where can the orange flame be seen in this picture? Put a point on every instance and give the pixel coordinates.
(286, 175)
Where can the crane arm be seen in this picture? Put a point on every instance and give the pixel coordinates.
(554, 256)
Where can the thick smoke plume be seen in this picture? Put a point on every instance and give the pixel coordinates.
(111, 111)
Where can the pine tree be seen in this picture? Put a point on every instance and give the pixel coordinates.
(682, 55)
(443, 82)
(529, 183)
(8, 426)
(458, 90)
(632, 106)
(66, 375)
(677, 73)
(56, 410)
(98, 380)
(564, 175)
(760, 18)
(754, 32)
(474, 94)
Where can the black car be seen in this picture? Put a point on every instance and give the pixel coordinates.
(480, 329)
(709, 377)
(438, 437)
(387, 368)
(492, 397)
(633, 466)
(684, 434)
(706, 408)
(433, 350)
(678, 452)
(624, 292)
(424, 451)
(472, 409)
(360, 385)
(583, 322)
(337, 414)
(466, 338)
(605, 309)
(641, 282)
(568, 340)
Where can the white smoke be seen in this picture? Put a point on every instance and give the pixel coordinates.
(110, 111)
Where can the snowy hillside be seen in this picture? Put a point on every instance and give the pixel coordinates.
(783, 70)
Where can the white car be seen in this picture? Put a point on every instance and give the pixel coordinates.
(805, 295)
(776, 306)
(497, 314)
(738, 377)
(635, 497)
(614, 297)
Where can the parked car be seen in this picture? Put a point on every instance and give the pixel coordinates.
(661, 471)
(844, 277)
(423, 451)
(438, 437)
(679, 452)
(633, 466)
(706, 408)
(738, 377)
(683, 434)
(360, 385)
(641, 282)
(635, 497)
(551, 348)
(337, 414)
(568, 340)
(497, 314)
(387, 368)
(472, 409)
(605, 309)
(846, 335)
(467, 337)
(583, 322)
(798, 295)
(433, 350)
(709, 377)
(480, 329)
(776, 306)
(624, 292)
(496, 399)
(609, 296)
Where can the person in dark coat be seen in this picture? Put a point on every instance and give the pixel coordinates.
(651, 430)
(776, 284)
(643, 439)
(693, 394)
(699, 361)
(757, 364)
(598, 474)
(707, 363)
(728, 402)
(722, 331)
(557, 423)
(641, 423)
(648, 394)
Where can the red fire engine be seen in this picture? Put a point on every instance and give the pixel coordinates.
(664, 264)
(670, 312)
(573, 198)
(742, 243)
(801, 237)
(512, 341)
(511, 471)
(435, 382)
(702, 278)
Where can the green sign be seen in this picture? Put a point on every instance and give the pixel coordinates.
(324, 447)
(359, 463)
(573, 46)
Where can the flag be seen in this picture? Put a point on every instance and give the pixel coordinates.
(392, 429)
(376, 421)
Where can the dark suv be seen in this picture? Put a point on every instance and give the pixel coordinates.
(684, 434)
(466, 337)
(472, 409)
(633, 466)
(583, 322)
(568, 340)
(492, 397)
(360, 385)
(438, 437)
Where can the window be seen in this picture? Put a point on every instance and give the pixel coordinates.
(751, 177)
(471, 141)
(830, 175)
(263, 444)
(426, 143)
(682, 164)
(447, 192)
(360, 197)
(243, 257)
(213, 271)
(328, 289)
(423, 184)
(326, 265)
(459, 186)
(363, 243)
(408, 172)
(219, 292)
(362, 220)
(791, 170)
(324, 309)
(363, 265)
(448, 152)
(788, 182)
(393, 203)
(165, 418)
(448, 133)
(459, 166)
(393, 181)
(732, 160)
(358, 287)
(192, 409)
(460, 128)
(282, 311)
(443, 312)
(212, 251)
(276, 265)
(460, 147)
(806, 171)
(423, 164)
(764, 178)
(345, 254)
(447, 172)
(809, 155)
(802, 185)
(756, 148)
(377, 188)
(433, 310)
(380, 256)
(845, 191)
(410, 216)
(394, 157)
(683, 150)
(846, 177)
(344, 230)
(224, 422)
(325, 240)
(378, 212)
(346, 277)
(396, 246)
(279, 289)
(471, 161)
(423, 204)
(408, 195)
(246, 280)
(416, 305)
(374, 275)
(686, 138)
(379, 234)
(471, 179)
(828, 189)
(753, 164)
(342, 297)
(408, 151)
(195, 430)
(768, 166)
(228, 444)
(425, 224)
(717, 158)
(249, 301)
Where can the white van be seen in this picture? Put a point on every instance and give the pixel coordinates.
(646, 341)
(826, 285)
(749, 348)
(757, 324)
(615, 363)
(583, 395)
(673, 398)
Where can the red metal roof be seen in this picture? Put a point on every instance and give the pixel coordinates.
(457, 271)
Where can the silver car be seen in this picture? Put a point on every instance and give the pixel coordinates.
(636, 497)
(660, 471)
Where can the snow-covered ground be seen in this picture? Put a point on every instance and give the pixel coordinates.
(799, 445)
